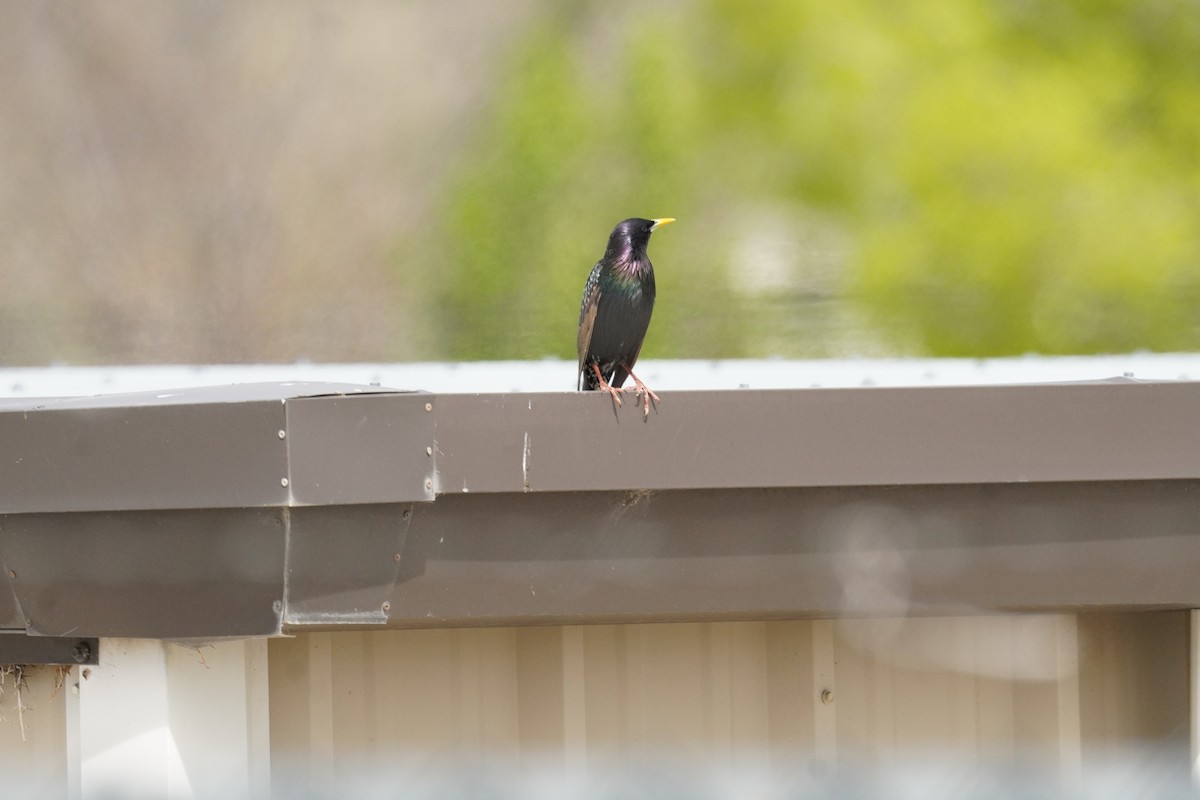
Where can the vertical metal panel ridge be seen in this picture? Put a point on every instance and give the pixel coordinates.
(572, 441)
(356, 449)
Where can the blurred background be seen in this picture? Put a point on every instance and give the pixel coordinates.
(377, 181)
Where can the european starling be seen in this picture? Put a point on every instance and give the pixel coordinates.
(618, 299)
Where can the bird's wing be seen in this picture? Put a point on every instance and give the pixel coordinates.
(622, 317)
(587, 320)
(639, 319)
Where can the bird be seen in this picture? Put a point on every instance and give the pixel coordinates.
(618, 299)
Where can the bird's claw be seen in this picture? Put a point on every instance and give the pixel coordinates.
(604, 385)
(644, 394)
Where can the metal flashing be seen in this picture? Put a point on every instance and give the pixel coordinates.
(17, 648)
(262, 510)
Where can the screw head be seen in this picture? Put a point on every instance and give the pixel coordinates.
(81, 652)
(429, 406)
(283, 481)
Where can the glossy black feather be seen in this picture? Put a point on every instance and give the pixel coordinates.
(618, 300)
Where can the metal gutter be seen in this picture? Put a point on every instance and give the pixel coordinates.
(265, 509)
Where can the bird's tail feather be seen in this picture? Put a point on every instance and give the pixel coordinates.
(587, 379)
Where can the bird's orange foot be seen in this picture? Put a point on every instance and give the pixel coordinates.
(643, 392)
(614, 392)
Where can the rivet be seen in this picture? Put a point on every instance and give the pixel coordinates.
(428, 484)
(429, 406)
(396, 557)
(407, 513)
(87, 673)
(283, 481)
(283, 434)
(428, 451)
(387, 606)
(12, 573)
(826, 696)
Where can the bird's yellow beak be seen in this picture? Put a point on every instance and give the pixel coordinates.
(658, 223)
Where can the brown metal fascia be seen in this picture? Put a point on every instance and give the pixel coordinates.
(1120, 430)
(370, 448)
(590, 557)
(248, 446)
(552, 508)
(621, 557)
(170, 574)
(115, 458)
(311, 444)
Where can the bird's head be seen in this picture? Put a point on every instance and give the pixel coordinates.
(632, 235)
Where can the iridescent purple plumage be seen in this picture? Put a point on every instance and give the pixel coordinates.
(618, 300)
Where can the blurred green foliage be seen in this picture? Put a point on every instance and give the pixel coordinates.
(981, 177)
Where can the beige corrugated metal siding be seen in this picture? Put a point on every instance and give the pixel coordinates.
(974, 689)
(1071, 691)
